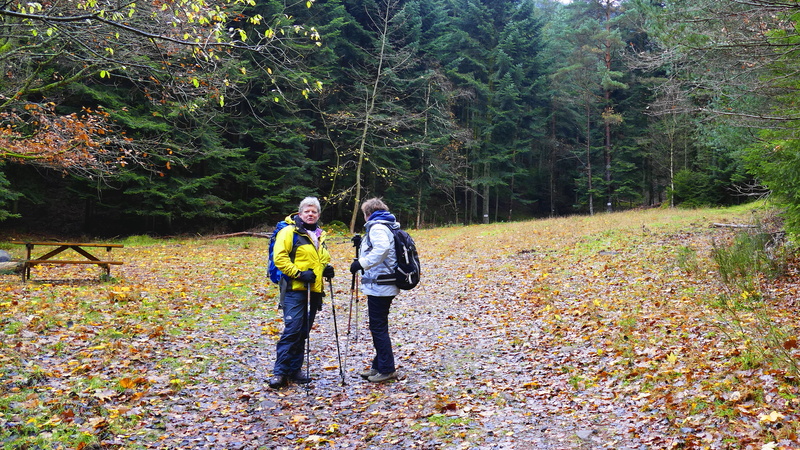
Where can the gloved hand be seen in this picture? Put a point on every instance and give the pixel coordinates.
(356, 240)
(328, 272)
(307, 276)
(355, 267)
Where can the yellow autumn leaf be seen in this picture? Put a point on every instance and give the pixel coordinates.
(53, 421)
(772, 417)
(316, 439)
(672, 358)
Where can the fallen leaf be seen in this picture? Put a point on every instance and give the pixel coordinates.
(774, 416)
(105, 394)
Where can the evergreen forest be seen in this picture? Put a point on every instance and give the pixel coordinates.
(213, 116)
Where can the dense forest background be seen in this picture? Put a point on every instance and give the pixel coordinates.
(212, 116)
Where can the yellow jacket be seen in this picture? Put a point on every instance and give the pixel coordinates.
(306, 255)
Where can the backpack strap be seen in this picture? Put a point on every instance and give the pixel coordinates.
(298, 239)
(293, 251)
(369, 242)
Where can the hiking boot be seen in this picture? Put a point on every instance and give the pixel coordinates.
(368, 373)
(277, 382)
(300, 377)
(378, 378)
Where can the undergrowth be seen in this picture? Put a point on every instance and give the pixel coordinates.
(748, 316)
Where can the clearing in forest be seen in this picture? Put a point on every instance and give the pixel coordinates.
(612, 331)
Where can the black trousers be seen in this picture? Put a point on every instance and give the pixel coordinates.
(378, 309)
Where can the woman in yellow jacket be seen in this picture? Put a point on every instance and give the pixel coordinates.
(301, 254)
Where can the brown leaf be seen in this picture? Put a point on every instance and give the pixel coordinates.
(105, 394)
(98, 422)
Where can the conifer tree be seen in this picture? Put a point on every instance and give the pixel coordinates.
(491, 53)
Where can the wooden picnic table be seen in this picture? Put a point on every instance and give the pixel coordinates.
(82, 248)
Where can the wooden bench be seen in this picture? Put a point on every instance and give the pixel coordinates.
(79, 247)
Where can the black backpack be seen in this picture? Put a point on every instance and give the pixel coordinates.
(407, 273)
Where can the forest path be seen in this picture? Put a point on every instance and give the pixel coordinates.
(520, 337)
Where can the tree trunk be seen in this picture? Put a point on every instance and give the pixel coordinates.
(607, 154)
(369, 106)
(486, 194)
(551, 164)
(589, 157)
(607, 56)
(419, 206)
(496, 204)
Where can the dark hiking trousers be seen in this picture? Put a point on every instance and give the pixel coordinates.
(296, 323)
(378, 309)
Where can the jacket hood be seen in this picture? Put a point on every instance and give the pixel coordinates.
(382, 215)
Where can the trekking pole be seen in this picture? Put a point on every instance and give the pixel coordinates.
(308, 335)
(356, 295)
(336, 333)
(356, 242)
(350, 307)
(350, 316)
(354, 284)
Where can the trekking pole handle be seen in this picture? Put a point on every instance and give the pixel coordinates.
(356, 239)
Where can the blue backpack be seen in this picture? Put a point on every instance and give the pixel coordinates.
(275, 274)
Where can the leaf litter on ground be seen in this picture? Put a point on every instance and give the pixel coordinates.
(578, 332)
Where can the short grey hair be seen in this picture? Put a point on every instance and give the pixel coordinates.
(372, 205)
(310, 201)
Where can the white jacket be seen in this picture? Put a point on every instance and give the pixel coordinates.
(377, 257)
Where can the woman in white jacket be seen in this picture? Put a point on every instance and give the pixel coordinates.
(377, 257)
